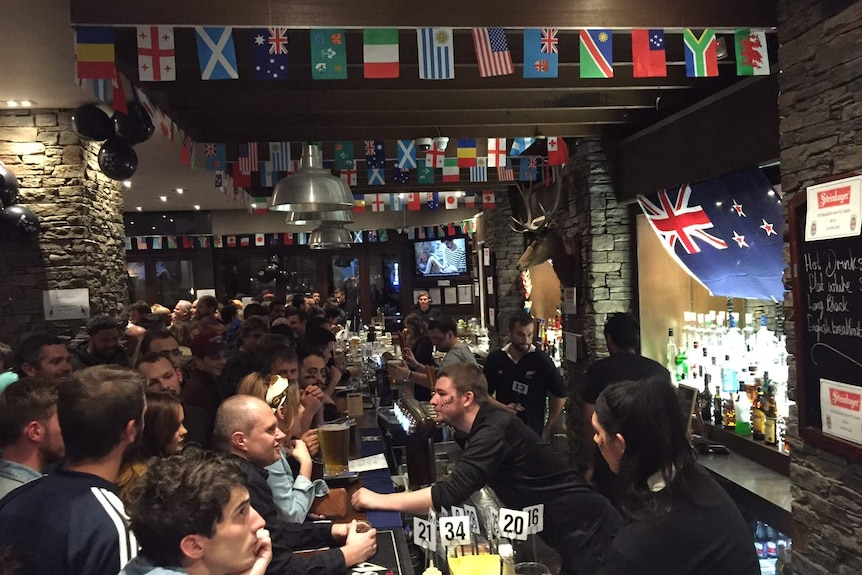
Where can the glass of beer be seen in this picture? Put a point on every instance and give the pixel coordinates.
(335, 446)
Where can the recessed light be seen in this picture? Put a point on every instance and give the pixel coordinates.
(25, 103)
(163, 198)
(172, 220)
(718, 204)
(133, 223)
(154, 227)
(197, 207)
(127, 183)
(164, 216)
(253, 206)
(11, 103)
(139, 208)
(771, 192)
(180, 190)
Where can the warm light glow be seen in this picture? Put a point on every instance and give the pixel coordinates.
(139, 208)
(771, 193)
(253, 206)
(163, 198)
(12, 103)
(197, 207)
(164, 216)
(26, 103)
(127, 183)
(179, 190)
(718, 204)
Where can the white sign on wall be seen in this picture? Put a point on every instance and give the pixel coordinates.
(60, 304)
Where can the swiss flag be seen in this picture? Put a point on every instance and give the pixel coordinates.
(558, 151)
(413, 202)
(489, 200)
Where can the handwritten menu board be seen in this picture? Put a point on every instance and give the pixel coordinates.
(827, 301)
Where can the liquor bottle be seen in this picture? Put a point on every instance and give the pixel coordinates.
(681, 365)
(729, 414)
(743, 412)
(706, 401)
(758, 416)
(729, 377)
(770, 417)
(717, 415)
(670, 355)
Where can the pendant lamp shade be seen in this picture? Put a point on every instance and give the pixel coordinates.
(315, 219)
(311, 188)
(329, 237)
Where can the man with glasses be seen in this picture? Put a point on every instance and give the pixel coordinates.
(209, 355)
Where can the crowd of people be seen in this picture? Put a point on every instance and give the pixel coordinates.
(182, 442)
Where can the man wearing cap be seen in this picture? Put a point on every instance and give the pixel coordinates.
(209, 355)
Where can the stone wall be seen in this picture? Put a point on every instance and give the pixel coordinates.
(81, 244)
(506, 247)
(821, 136)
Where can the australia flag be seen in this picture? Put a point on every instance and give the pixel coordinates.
(726, 232)
(269, 49)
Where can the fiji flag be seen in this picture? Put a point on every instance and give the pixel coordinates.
(726, 232)
(215, 157)
(216, 53)
(540, 53)
(529, 168)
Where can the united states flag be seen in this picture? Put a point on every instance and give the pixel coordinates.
(506, 173)
(247, 158)
(492, 52)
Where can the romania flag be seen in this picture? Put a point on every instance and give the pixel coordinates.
(94, 52)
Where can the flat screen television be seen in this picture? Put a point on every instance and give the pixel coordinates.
(441, 258)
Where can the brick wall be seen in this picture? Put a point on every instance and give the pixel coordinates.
(821, 136)
(81, 244)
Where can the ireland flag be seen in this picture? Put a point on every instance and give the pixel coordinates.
(380, 52)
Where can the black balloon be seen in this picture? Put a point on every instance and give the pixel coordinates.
(92, 123)
(19, 222)
(117, 159)
(8, 187)
(136, 126)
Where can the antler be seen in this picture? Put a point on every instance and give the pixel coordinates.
(529, 224)
(558, 193)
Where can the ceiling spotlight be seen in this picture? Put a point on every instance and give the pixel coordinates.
(163, 198)
(138, 208)
(771, 193)
(25, 103)
(423, 144)
(253, 206)
(11, 103)
(197, 207)
(441, 142)
(127, 183)
(179, 190)
(164, 216)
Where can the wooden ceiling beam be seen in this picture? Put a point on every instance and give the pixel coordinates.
(455, 13)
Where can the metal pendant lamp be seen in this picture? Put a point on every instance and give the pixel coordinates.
(329, 237)
(312, 188)
(315, 219)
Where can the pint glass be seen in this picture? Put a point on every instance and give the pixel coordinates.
(335, 445)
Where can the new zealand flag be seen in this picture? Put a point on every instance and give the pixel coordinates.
(726, 232)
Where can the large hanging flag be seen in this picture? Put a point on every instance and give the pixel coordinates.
(479, 172)
(269, 53)
(597, 54)
(496, 152)
(156, 58)
(541, 58)
(216, 53)
(451, 172)
(375, 155)
(328, 54)
(215, 157)
(424, 172)
(407, 154)
(94, 52)
(344, 158)
(279, 155)
(466, 152)
(529, 168)
(435, 155)
(492, 52)
(436, 54)
(726, 232)
(649, 59)
(701, 59)
(247, 157)
(752, 58)
(380, 52)
(558, 151)
(519, 145)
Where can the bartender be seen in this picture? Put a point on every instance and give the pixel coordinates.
(523, 470)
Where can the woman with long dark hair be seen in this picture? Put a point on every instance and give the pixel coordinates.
(418, 352)
(680, 521)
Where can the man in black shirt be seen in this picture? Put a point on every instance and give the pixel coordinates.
(520, 376)
(522, 469)
(622, 336)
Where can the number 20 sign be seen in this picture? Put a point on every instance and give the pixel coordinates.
(514, 524)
